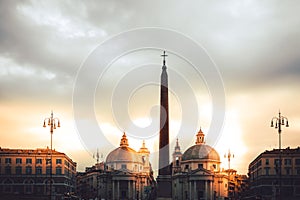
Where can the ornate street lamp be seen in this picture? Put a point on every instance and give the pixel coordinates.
(52, 123)
(279, 122)
(229, 156)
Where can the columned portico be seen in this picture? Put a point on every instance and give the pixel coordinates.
(129, 189)
(194, 196)
(211, 190)
(113, 189)
(118, 190)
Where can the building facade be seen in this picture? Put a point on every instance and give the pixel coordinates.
(25, 174)
(126, 174)
(237, 185)
(196, 173)
(268, 181)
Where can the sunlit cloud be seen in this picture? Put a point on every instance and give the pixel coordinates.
(255, 45)
(65, 26)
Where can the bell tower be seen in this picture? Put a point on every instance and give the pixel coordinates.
(200, 137)
(177, 155)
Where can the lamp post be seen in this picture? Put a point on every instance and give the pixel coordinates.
(279, 121)
(228, 156)
(52, 123)
(229, 172)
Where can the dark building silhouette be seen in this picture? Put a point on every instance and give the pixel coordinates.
(265, 177)
(164, 181)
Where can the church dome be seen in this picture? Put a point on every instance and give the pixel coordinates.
(200, 151)
(123, 153)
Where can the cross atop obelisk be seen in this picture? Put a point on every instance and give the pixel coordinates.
(164, 61)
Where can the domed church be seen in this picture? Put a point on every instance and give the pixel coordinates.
(196, 173)
(131, 172)
(126, 174)
(125, 157)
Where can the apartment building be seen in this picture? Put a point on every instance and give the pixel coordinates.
(266, 179)
(26, 174)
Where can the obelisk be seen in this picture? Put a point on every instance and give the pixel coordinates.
(164, 183)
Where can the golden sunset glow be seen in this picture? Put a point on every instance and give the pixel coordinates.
(254, 45)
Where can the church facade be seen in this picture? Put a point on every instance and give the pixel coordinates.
(196, 173)
(126, 174)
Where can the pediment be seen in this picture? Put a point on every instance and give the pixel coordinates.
(201, 171)
(123, 172)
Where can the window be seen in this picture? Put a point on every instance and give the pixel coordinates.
(297, 161)
(67, 163)
(259, 171)
(267, 170)
(28, 161)
(48, 161)
(298, 171)
(28, 186)
(39, 161)
(7, 160)
(38, 170)
(288, 171)
(7, 169)
(267, 161)
(19, 160)
(58, 161)
(48, 170)
(200, 166)
(28, 170)
(276, 162)
(123, 166)
(259, 163)
(7, 187)
(66, 171)
(288, 161)
(186, 167)
(18, 170)
(58, 170)
(144, 159)
(214, 166)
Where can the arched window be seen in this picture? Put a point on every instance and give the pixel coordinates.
(46, 183)
(28, 186)
(7, 186)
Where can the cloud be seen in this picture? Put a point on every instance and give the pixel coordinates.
(255, 44)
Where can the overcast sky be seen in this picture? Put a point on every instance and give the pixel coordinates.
(254, 44)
